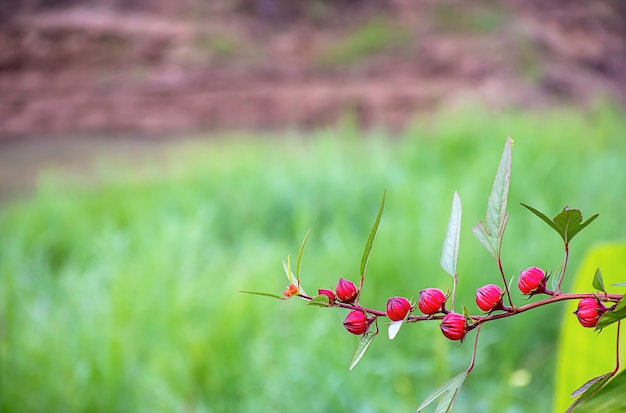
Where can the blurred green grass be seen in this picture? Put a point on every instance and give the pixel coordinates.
(121, 295)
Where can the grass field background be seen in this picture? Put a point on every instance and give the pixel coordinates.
(119, 292)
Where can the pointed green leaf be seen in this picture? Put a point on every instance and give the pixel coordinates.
(569, 222)
(446, 403)
(292, 278)
(511, 282)
(543, 216)
(571, 369)
(306, 236)
(505, 219)
(554, 281)
(320, 301)
(584, 224)
(287, 267)
(467, 314)
(588, 389)
(449, 390)
(608, 398)
(264, 294)
(490, 243)
(598, 283)
(610, 317)
(370, 239)
(589, 385)
(394, 328)
(361, 347)
(450, 250)
(496, 205)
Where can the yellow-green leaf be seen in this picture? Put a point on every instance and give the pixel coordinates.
(583, 353)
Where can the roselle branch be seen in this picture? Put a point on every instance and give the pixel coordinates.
(550, 300)
(478, 319)
(434, 304)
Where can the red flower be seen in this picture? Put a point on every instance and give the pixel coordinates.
(589, 312)
(356, 322)
(532, 281)
(346, 291)
(453, 326)
(431, 300)
(489, 297)
(398, 308)
(329, 294)
(290, 291)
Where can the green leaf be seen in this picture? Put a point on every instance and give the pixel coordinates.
(306, 236)
(264, 294)
(571, 369)
(292, 278)
(496, 205)
(598, 283)
(361, 347)
(320, 301)
(467, 314)
(491, 235)
(448, 390)
(618, 285)
(542, 216)
(591, 384)
(487, 241)
(370, 239)
(450, 250)
(610, 317)
(554, 281)
(569, 222)
(287, 267)
(394, 328)
(588, 389)
(608, 399)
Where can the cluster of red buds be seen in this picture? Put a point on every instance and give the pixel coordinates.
(494, 301)
(454, 326)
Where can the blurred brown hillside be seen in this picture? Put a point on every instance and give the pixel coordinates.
(70, 67)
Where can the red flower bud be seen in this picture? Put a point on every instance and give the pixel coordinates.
(329, 294)
(290, 291)
(431, 300)
(489, 297)
(589, 312)
(398, 308)
(532, 281)
(346, 291)
(356, 322)
(453, 326)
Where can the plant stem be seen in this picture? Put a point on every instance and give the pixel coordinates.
(506, 284)
(558, 285)
(546, 301)
(482, 319)
(471, 366)
(617, 349)
(453, 292)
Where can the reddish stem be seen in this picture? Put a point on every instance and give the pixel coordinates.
(483, 319)
(558, 285)
(471, 366)
(506, 284)
(617, 350)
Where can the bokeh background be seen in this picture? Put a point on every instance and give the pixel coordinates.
(156, 157)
